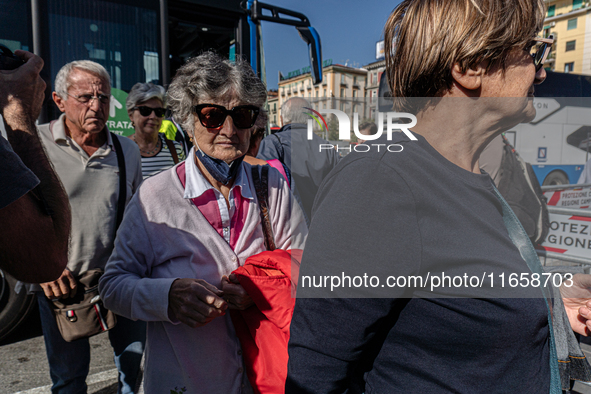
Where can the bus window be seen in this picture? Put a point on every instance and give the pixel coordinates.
(190, 39)
(123, 36)
(194, 28)
(16, 35)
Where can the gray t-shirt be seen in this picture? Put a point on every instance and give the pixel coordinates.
(16, 179)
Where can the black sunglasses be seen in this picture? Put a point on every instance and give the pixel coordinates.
(540, 50)
(213, 116)
(146, 111)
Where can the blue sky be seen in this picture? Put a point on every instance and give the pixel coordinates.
(348, 31)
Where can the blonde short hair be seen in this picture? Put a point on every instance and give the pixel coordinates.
(430, 36)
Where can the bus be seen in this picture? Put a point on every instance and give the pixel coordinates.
(136, 41)
(556, 142)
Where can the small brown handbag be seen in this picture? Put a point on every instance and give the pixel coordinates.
(83, 315)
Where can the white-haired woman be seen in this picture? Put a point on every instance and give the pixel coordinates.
(189, 227)
(146, 106)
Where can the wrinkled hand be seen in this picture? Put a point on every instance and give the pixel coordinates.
(195, 302)
(65, 286)
(22, 89)
(577, 302)
(235, 294)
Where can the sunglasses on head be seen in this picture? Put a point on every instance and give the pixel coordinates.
(213, 116)
(539, 50)
(146, 111)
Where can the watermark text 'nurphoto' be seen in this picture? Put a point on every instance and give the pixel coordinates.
(393, 124)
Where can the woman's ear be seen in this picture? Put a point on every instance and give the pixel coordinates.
(470, 79)
(190, 133)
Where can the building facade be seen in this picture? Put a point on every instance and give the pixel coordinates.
(375, 71)
(273, 107)
(570, 23)
(343, 88)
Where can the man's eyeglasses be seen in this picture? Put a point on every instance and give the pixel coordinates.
(146, 111)
(539, 50)
(213, 116)
(88, 98)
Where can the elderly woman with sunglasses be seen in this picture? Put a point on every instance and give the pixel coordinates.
(146, 107)
(454, 300)
(189, 227)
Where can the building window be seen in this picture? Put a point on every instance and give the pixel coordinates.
(274, 107)
(572, 24)
(568, 67)
(551, 10)
(355, 93)
(546, 31)
(342, 92)
(577, 4)
(324, 92)
(570, 45)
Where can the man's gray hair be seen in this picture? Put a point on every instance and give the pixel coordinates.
(62, 79)
(293, 110)
(208, 78)
(142, 92)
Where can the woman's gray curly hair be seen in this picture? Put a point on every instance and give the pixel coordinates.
(208, 78)
(142, 92)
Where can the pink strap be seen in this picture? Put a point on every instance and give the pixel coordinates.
(276, 163)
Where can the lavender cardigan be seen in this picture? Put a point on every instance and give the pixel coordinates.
(164, 237)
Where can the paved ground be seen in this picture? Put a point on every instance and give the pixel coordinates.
(24, 369)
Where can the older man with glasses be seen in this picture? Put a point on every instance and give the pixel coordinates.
(86, 158)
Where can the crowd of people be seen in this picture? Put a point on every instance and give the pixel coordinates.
(191, 217)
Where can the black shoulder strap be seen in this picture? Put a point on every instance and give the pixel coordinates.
(280, 146)
(172, 149)
(122, 179)
(261, 185)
